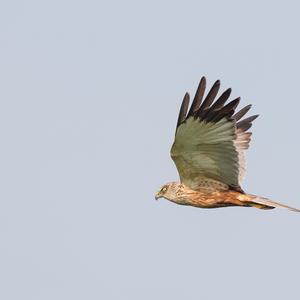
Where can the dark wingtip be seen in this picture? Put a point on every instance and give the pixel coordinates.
(203, 78)
(211, 110)
(251, 118)
(183, 109)
(232, 104)
(198, 97)
(242, 112)
(245, 124)
(210, 97)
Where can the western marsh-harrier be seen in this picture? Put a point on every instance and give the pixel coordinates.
(208, 151)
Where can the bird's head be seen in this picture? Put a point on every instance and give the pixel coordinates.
(168, 191)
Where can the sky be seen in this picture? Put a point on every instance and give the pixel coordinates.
(90, 92)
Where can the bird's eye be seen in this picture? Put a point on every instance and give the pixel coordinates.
(164, 189)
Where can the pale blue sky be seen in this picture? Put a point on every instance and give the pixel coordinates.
(90, 92)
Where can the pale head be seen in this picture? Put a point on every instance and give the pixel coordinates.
(169, 191)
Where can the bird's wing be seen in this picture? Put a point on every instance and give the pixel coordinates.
(210, 139)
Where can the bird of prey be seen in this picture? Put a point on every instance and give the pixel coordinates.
(208, 151)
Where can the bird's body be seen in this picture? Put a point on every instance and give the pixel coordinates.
(211, 196)
(208, 151)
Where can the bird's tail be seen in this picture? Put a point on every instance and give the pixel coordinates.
(264, 203)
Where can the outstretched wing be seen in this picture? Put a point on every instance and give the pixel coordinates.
(210, 139)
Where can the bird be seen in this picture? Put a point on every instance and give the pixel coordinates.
(209, 153)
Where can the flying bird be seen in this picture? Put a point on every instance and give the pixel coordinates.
(208, 151)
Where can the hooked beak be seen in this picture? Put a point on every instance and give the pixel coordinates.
(157, 196)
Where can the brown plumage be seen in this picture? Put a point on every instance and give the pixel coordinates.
(208, 151)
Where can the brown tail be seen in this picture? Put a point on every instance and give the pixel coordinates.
(264, 203)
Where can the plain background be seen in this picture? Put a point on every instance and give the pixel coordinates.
(90, 92)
